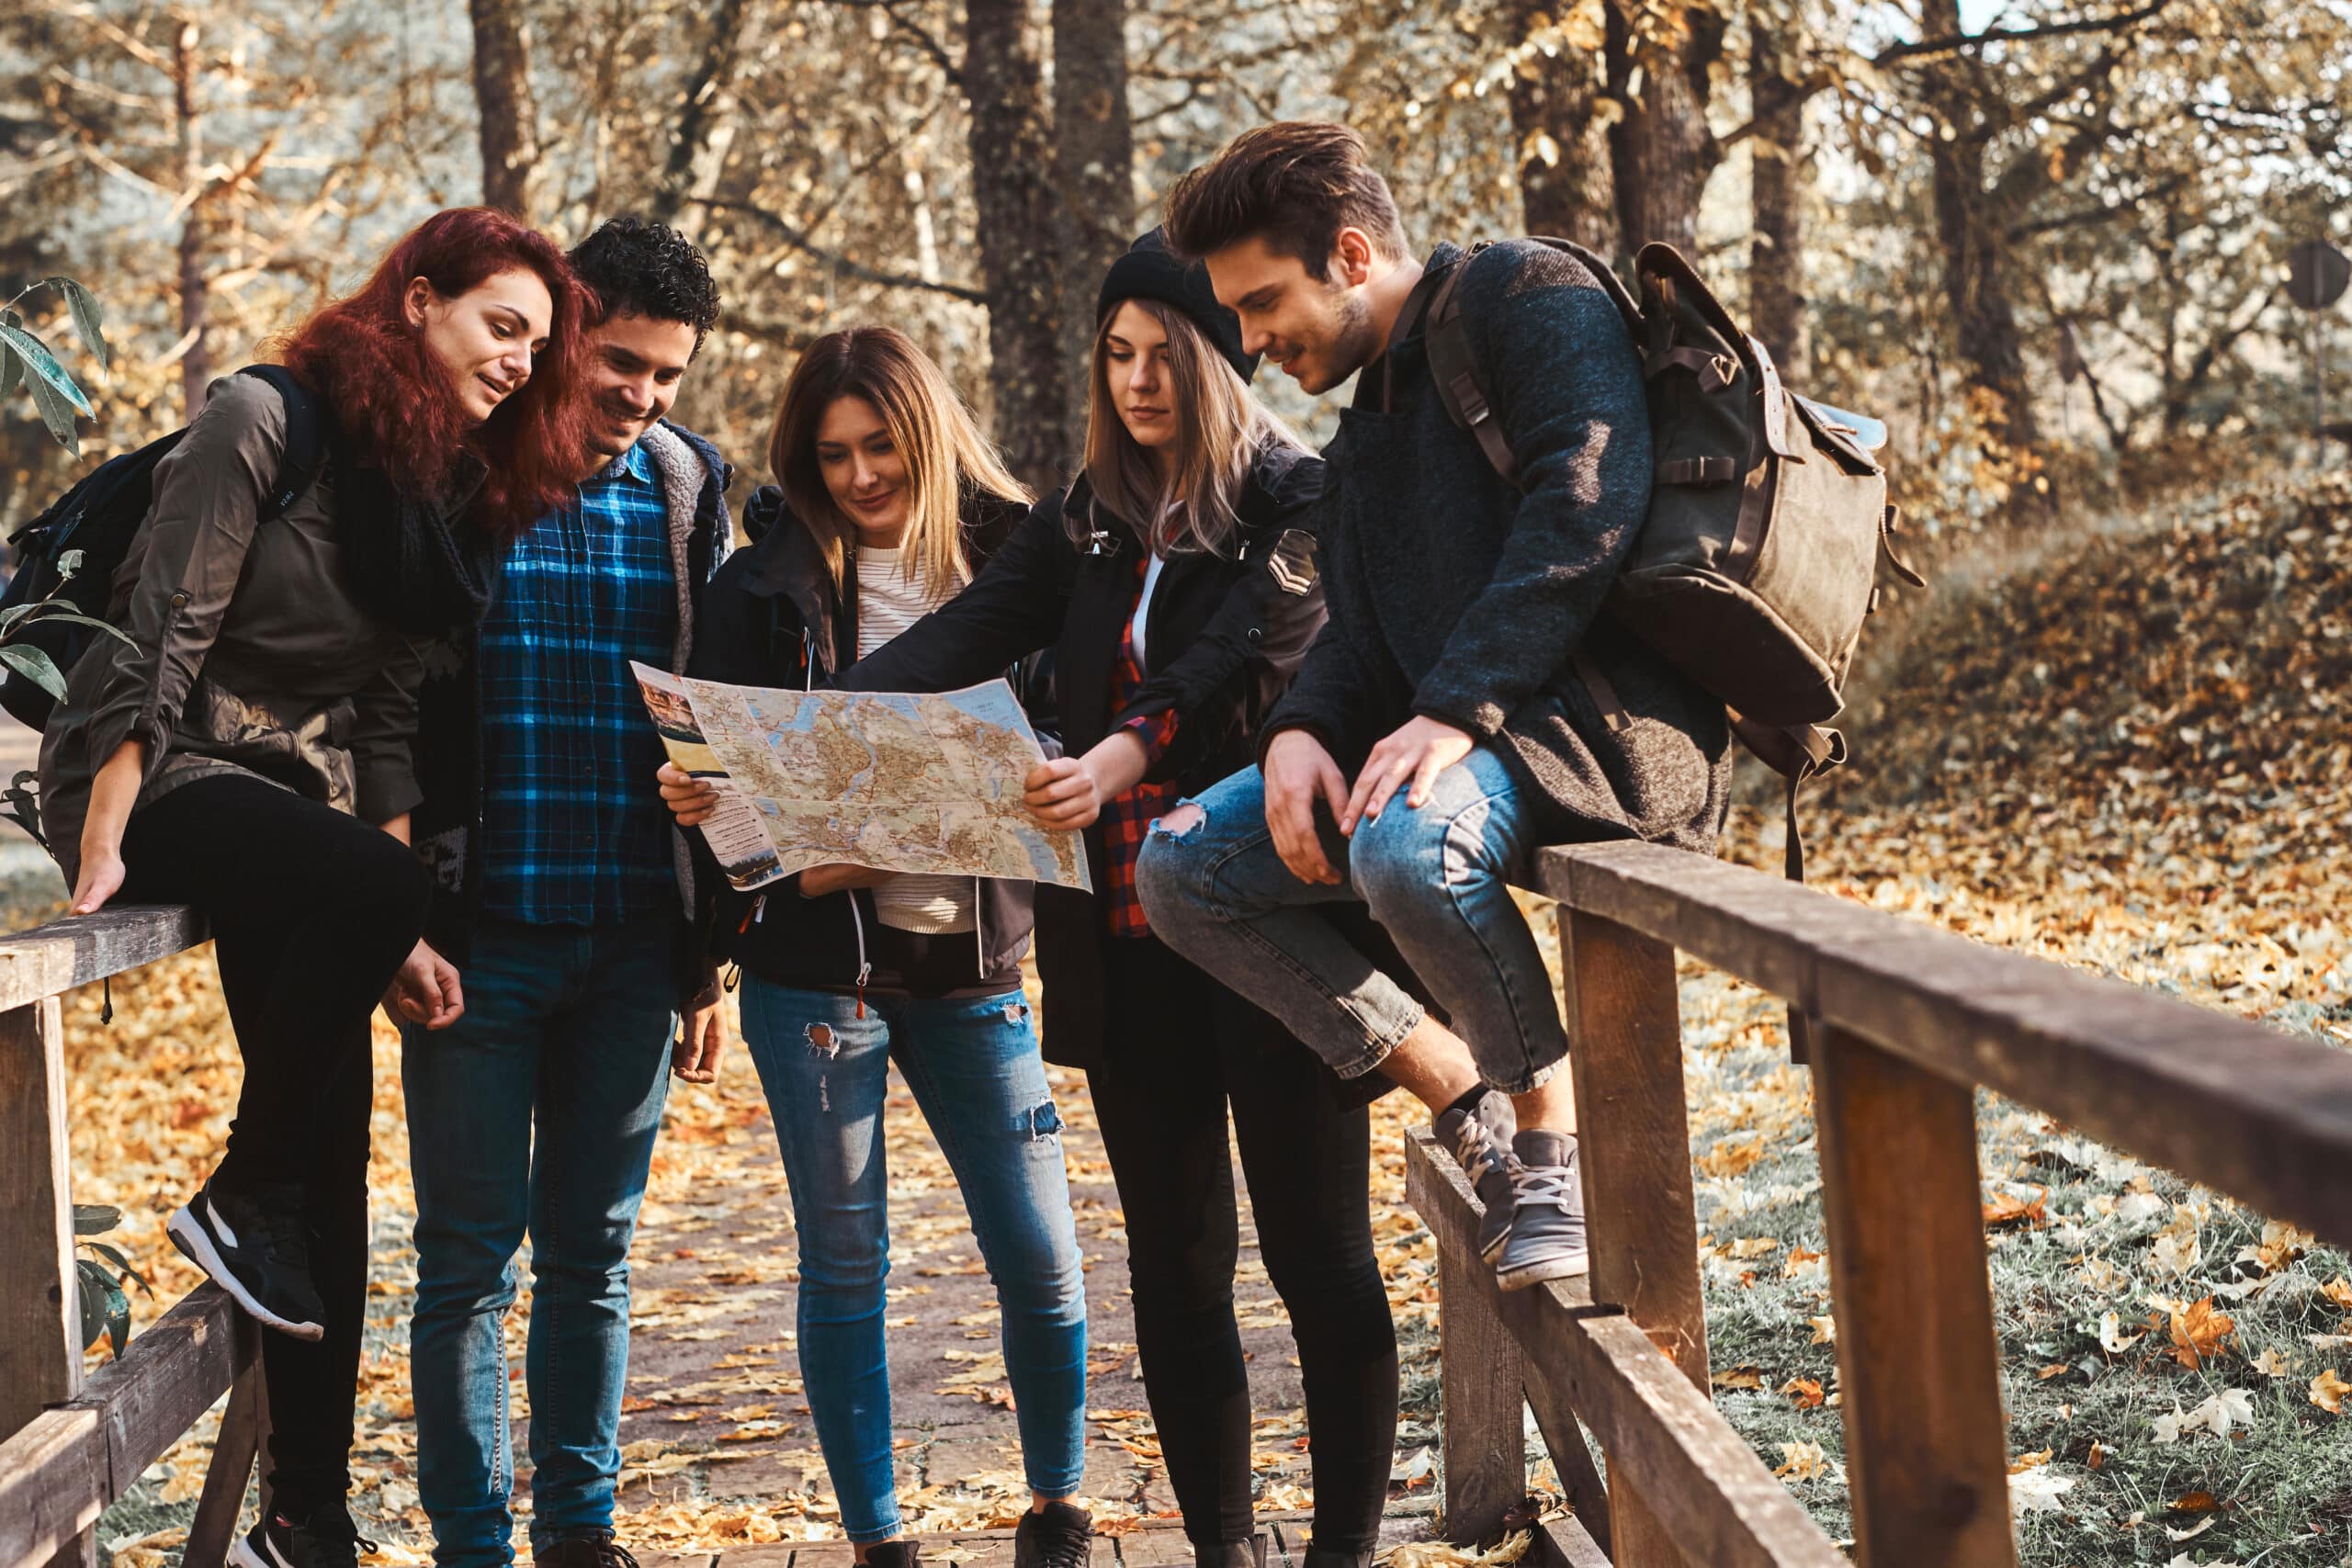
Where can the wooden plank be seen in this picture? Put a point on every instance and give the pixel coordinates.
(73, 1460)
(1153, 1546)
(1918, 1364)
(226, 1477)
(2263, 1116)
(52, 1485)
(1482, 1434)
(1588, 1494)
(1565, 1543)
(1626, 1049)
(41, 1320)
(1662, 1434)
(79, 949)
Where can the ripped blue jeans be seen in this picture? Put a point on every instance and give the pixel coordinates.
(973, 1065)
(1437, 878)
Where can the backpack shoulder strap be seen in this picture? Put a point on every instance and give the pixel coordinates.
(1455, 368)
(305, 440)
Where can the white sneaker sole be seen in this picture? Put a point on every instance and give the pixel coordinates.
(191, 1239)
(243, 1555)
(1563, 1268)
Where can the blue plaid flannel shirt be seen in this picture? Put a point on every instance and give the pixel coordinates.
(573, 830)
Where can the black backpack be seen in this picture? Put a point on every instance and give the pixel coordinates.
(68, 555)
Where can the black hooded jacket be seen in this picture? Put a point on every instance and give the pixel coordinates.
(773, 617)
(1226, 632)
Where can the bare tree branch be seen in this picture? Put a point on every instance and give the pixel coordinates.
(800, 240)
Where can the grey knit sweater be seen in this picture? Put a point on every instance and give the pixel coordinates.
(1455, 595)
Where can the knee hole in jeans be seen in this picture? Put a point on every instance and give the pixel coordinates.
(1180, 823)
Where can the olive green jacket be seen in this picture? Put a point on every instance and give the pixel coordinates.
(248, 651)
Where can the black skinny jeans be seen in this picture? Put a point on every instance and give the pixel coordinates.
(312, 912)
(1181, 1049)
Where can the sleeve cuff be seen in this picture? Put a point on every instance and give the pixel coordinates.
(1479, 715)
(1156, 731)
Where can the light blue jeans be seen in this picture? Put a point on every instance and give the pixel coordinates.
(973, 1066)
(565, 1035)
(1437, 878)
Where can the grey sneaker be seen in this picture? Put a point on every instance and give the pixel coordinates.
(1546, 1240)
(1480, 1140)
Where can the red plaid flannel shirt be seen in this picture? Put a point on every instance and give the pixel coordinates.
(1128, 817)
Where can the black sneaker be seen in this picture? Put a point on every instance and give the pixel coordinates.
(597, 1549)
(255, 1247)
(1480, 1140)
(326, 1538)
(899, 1553)
(1059, 1535)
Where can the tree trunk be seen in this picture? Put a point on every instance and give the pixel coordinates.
(703, 126)
(1777, 302)
(510, 138)
(195, 285)
(1975, 279)
(1094, 152)
(1560, 118)
(1662, 150)
(1020, 264)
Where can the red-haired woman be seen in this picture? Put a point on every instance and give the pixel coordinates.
(247, 752)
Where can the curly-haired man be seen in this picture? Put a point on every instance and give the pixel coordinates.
(569, 902)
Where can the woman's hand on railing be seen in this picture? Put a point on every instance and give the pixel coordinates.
(101, 879)
(690, 799)
(426, 991)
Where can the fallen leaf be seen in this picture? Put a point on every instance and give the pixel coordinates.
(2200, 1333)
(2271, 1364)
(2339, 1290)
(2111, 1337)
(2009, 1209)
(1738, 1377)
(1806, 1392)
(1824, 1330)
(2024, 1463)
(2328, 1391)
(2194, 1503)
(2037, 1490)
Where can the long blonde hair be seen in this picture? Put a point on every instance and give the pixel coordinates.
(1221, 428)
(946, 456)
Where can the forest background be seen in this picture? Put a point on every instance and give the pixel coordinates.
(2044, 240)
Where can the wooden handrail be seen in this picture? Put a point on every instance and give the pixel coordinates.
(70, 1447)
(1908, 1021)
(80, 949)
(2263, 1116)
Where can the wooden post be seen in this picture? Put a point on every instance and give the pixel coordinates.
(40, 1318)
(1634, 1141)
(1485, 1436)
(244, 1437)
(1918, 1364)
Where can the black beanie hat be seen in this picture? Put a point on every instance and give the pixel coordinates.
(1150, 271)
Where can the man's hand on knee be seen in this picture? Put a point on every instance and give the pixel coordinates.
(1423, 749)
(1298, 772)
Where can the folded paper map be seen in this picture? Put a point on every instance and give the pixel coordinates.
(895, 781)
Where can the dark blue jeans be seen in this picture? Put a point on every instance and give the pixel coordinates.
(567, 1034)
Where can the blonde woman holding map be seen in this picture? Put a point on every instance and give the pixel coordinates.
(887, 499)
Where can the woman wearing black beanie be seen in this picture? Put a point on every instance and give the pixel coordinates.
(1174, 580)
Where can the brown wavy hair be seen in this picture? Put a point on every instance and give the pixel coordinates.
(399, 406)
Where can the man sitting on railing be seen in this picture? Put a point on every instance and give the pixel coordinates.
(1462, 614)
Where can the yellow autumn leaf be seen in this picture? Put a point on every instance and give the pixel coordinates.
(2328, 1391)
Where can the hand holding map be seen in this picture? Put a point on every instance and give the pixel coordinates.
(898, 781)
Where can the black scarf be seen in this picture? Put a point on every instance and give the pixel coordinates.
(426, 567)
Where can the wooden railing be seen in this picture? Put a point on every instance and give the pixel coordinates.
(1905, 1022)
(70, 1446)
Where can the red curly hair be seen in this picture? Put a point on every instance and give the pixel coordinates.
(400, 406)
